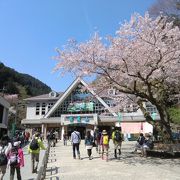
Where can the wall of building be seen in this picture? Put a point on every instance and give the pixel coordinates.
(31, 111)
(4, 112)
(136, 127)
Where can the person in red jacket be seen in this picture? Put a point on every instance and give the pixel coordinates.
(16, 160)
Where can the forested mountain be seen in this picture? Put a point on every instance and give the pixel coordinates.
(25, 85)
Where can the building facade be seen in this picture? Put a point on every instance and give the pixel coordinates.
(79, 106)
(4, 109)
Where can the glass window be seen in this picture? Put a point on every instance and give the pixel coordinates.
(151, 108)
(37, 108)
(79, 101)
(43, 111)
(50, 105)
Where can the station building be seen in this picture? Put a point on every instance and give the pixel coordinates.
(80, 106)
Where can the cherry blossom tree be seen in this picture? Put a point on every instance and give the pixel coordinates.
(169, 8)
(141, 60)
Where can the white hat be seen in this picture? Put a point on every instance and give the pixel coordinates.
(104, 132)
(17, 143)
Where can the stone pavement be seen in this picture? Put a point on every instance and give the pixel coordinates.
(26, 170)
(130, 166)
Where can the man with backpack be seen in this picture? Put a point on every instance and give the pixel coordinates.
(117, 140)
(76, 140)
(5, 148)
(34, 148)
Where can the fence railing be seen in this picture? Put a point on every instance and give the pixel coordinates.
(42, 169)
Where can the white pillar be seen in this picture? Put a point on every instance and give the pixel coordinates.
(42, 128)
(31, 132)
(62, 132)
(95, 126)
(45, 131)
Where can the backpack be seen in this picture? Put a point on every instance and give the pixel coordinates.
(117, 136)
(34, 144)
(3, 158)
(52, 136)
(150, 144)
(105, 140)
(13, 156)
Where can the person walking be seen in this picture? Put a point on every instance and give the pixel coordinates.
(5, 148)
(97, 137)
(105, 144)
(34, 149)
(117, 141)
(89, 144)
(65, 139)
(16, 160)
(52, 139)
(75, 140)
(56, 135)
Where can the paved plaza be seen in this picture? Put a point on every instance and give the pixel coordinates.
(130, 166)
(62, 166)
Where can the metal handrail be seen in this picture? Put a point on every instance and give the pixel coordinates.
(42, 170)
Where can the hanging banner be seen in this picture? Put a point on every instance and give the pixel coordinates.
(77, 107)
(119, 117)
(153, 115)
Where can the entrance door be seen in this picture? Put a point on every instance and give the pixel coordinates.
(80, 127)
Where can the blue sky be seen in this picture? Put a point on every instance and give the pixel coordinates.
(31, 30)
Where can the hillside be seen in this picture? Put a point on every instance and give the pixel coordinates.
(18, 83)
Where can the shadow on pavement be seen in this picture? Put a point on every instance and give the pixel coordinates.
(134, 159)
(54, 178)
(52, 171)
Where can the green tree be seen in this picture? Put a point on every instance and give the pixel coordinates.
(175, 114)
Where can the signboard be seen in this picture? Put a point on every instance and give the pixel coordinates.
(67, 119)
(77, 107)
(78, 119)
(71, 119)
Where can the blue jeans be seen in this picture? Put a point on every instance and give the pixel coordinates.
(76, 148)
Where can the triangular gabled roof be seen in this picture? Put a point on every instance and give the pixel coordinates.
(68, 92)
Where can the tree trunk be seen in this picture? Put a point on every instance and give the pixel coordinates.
(164, 120)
